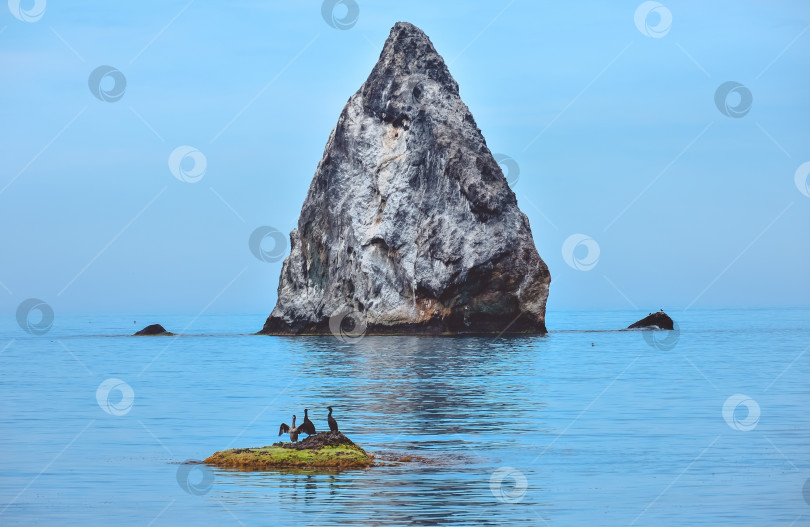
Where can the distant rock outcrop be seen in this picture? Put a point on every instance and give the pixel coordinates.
(152, 331)
(659, 320)
(409, 223)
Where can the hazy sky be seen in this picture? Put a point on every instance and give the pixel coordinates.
(691, 197)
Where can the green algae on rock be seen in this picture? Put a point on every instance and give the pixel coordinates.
(330, 450)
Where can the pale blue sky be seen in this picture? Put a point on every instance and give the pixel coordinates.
(616, 134)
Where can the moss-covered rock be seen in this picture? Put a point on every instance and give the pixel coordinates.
(328, 450)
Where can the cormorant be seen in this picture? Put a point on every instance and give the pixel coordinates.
(307, 427)
(332, 423)
(283, 429)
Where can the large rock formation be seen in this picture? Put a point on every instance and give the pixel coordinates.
(409, 225)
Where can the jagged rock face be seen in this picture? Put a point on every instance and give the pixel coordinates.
(409, 223)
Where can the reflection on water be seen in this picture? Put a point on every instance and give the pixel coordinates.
(424, 386)
(574, 428)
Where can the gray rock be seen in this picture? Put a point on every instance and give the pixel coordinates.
(409, 225)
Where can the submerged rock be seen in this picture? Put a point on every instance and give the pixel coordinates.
(659, 320)
(409, 224)
(324, 450)
(152, 331)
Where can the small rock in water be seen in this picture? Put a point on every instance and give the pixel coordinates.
(659, 320)
(152, 331)
(327, 450)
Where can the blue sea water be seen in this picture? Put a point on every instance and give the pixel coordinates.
(584, 426)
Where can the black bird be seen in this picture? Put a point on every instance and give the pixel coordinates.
(283, 429)
(307, 427)
(332, 423)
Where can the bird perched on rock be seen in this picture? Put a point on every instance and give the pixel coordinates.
(307, 426)
(293, 431)
(333, 427)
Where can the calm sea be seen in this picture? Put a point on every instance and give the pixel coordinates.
(594, 427)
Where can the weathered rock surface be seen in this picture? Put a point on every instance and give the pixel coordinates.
(152, 331)
(658, 320)
(409, 225)
(317, 441)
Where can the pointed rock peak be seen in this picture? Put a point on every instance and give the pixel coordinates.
(408, 30)
(406, 39)
(409, 52)
(409, 225)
